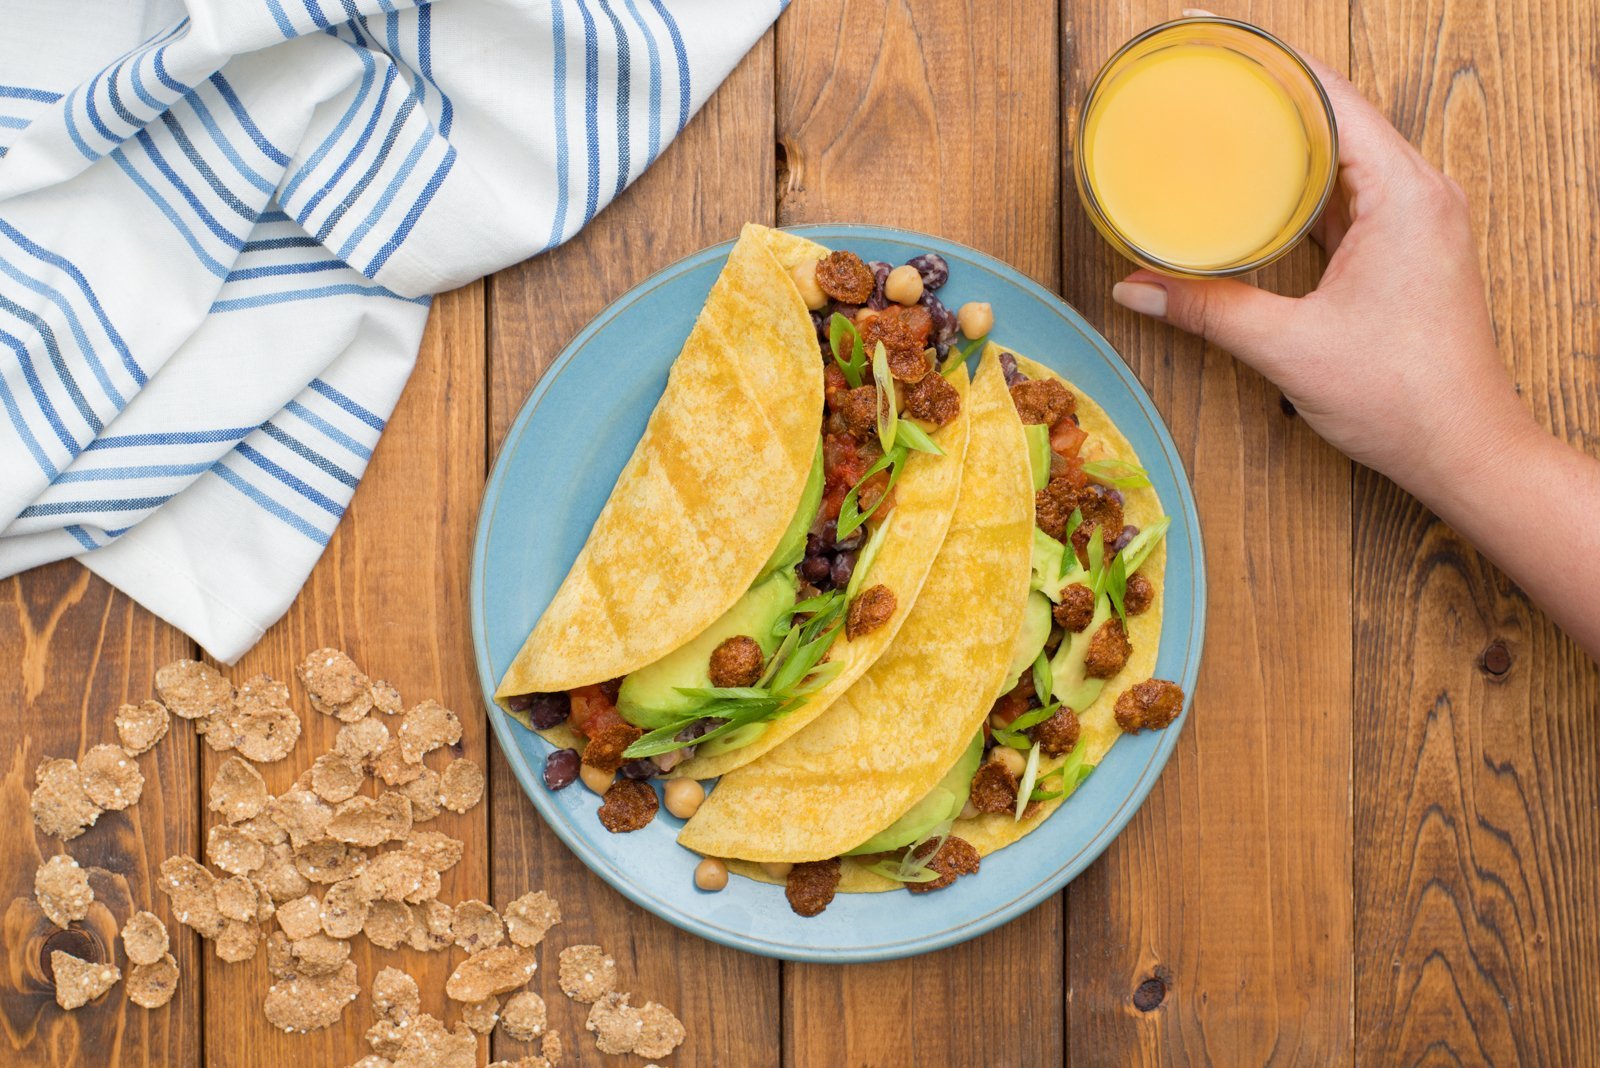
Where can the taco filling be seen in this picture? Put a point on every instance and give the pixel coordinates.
(884, 472)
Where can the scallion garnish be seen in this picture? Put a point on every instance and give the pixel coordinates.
(914, 437)
(1013, 734)
(864, 562)
(1069, 559)
(883, 382)
(1116, 583)
(1030, 772)
(913, 864)
(1118, 474)
(840, 328)
(850, 515)
(956, 355)
(1041, 677)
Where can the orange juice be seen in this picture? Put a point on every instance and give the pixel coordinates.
(1199, 157)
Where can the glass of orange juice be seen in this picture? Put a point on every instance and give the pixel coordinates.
(1206, 147)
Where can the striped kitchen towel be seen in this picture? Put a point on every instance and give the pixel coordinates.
(220, 222)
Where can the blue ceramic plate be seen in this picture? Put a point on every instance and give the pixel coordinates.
(558, 464)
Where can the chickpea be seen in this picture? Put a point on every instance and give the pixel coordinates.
(976, 318)
(1008, 758)
(595, 779)
(777, 869)
(684, 797)
(710, 874)
(804, 274)
(864, 313)
(968, 811)
(904, 285)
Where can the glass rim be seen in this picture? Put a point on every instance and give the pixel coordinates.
(1092, 202)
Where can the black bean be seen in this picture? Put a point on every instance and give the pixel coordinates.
(545, 710)
(880, 274)
(561, 768)
(1129, 532)
(843, 565)
(1008, 366)
(827, 535)
(644, 768)
(944, 320)
(933, 268)
(612, 687)
(816, 568)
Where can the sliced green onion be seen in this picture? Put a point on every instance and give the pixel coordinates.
(1144, 543)
(1012, 733)
(850, 515)
(869, 555)
(914, 437)
(888, 417)
(893, 869)
(913, 864)
(1097, 561)
(956, 356)
(1119, 474)
(1069, 558)
(722, 693)
(1041, 677)
(1117, 585)
(825, 673)
(1030, 772)
(838, 329)
(1046, 795)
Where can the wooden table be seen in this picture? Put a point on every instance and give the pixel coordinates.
(1378, 838)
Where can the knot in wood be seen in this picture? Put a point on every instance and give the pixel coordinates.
(1496, 659)
(76, 941)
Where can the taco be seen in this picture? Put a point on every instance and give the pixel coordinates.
(763, 544)
(1008, 684)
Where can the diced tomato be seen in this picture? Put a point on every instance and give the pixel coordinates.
(1066, 438)
(843, 466)
(1012, 704)
(833, 381)
(592, 711)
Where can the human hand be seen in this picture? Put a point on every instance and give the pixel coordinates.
(1392, 359)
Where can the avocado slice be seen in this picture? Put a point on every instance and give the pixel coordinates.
(1038, 435)
(649, 697)
(943, 802)
(792, 546)
(1036, 623)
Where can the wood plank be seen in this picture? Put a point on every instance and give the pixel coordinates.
(1218, 925)
(74, 650)
(391, 591)
(714, 177)
(937, 116)
(1477, 811)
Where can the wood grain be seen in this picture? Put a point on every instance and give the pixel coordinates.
(1218, 926)
(391, 591)
(938, 116)
(74, 650)
(716, 176)
(1476, 808)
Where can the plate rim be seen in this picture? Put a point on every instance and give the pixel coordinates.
(528, 779)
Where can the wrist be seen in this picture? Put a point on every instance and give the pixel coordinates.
(1481, 451)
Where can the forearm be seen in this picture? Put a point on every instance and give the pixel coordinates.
(1531, 504)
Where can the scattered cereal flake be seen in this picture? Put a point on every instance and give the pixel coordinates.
(335, 684)
(551, 1048)
(193, 892)
(587, 973)
(335, 777)
(395, 995)
(661, 1034)
(425, 728)
(141, 726)
(300, 918)
(237, 942)
(362, 741)
(427, 890)
(476, 926)
(280, 955)
(79, 982)
(436, 849)
(394, 876)
(367, 822)
(151, 985)
(616, 1024)
(111, 777)
(60, 806)
(344, 909)
(279, 877)
(303, 814)
(387, 1037)
(193, 690)
(237, 898)
(430, 926)
(525, 1016)
(233, 851)
(267, 727)
(318, 954)
(490, 971)
(264, 829)
(307, 1002)
(144, 938)
(385, 698)
(392, 767)
(481, 1016)
(238, 792)
(461, 785)
(429, 1045)
(530, 917)
(423, 793)
(329, 861)
(62, 889)
(388, 924)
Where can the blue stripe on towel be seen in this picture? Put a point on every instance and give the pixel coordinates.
(267, 504)
(624, 87)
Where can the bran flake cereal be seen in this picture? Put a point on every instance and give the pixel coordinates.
(59, 804)
(388, 924)
(193, 690)
(141, 726)
(461, 785)
(616, 1024)
(490, 971)
(79, 982)
(344, 909)
(395, 995)
(319, 955)
(435, 849)
(525, 1016)
(308, 1003)
(62, 890)
(144, 938)
(426, 727)
(586, 973)
(530, 917)
(335, 777)
(476, 926)
(660, 1033)
(152, 985)
(111, 777)
(237, 941)
(238, 792)
(233, 851)
(481, 1016)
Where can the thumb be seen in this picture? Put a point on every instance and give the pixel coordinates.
(1233, 315)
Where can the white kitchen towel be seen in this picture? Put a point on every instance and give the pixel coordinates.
(221, 220)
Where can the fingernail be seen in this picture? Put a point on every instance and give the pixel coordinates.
(1146, 298)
